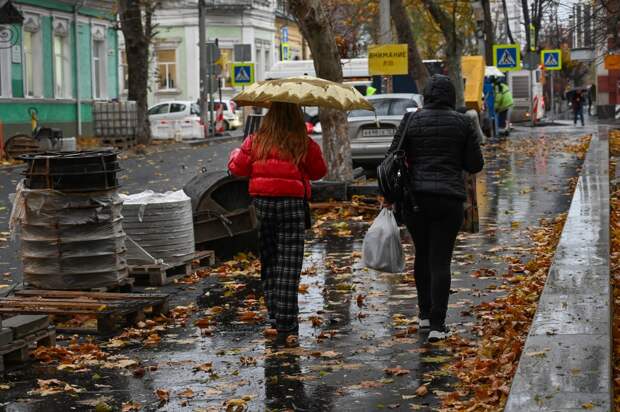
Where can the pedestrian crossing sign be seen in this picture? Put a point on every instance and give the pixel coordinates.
(507, 57)
(552, 59)
(242, 74)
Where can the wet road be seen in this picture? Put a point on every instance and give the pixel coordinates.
(356, 323)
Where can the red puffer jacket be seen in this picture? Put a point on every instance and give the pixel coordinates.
(277, 176)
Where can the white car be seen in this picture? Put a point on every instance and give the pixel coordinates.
(190, 111)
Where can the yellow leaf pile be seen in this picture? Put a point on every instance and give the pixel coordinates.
(485, 367)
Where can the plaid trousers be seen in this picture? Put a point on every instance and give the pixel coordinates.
(282, 232)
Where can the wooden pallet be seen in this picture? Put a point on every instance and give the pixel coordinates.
(163, 274)
(112, 311)
(18, 351)
(124, 286)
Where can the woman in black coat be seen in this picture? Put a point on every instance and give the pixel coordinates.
(441, 145)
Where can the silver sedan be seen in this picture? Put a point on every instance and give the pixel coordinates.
(369, 141)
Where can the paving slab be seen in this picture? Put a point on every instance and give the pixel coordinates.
(566, 362)
(24, 325)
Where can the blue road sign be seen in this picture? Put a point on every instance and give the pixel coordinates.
(242, 74)
(551, 59)
(507, 57)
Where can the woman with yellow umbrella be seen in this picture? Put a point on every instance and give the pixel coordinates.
(281, 160)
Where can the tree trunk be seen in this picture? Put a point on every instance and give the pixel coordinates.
(507, 20)
(526, 18)
(489, 38)
(316, 28)
(417, 69)
(137, 42)
(454, 46)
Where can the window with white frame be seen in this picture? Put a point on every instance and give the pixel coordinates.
(33, 56)
(99, 62)
(5, 61)
(62, 59)
(166, 69)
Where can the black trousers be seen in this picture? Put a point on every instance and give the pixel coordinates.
(434, 229)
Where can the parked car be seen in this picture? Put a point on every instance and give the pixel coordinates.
(190, 111)
(369, 142)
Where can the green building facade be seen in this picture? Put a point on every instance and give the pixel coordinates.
(62, 58)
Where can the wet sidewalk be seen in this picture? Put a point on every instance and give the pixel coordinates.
(359, 345)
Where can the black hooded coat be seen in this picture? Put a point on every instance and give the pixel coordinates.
(440, 143)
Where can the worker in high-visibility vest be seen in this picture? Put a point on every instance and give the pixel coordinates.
(370, 90)
(503, 104)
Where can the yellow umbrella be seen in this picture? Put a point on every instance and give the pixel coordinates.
(304, 91)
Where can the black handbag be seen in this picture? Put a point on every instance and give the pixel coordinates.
(393, 176)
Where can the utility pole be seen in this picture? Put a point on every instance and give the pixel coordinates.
(385, 37)
(210, 74)
(202, 46)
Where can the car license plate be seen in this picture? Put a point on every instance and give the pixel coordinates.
(377, 132)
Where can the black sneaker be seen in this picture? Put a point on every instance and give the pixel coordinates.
(439, 335)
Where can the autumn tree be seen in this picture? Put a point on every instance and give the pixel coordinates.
(404, 31)
(489, 33)
(454, 38)
(316, 27)
(136, 18)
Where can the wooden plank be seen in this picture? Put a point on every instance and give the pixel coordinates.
(25, 325)
(93, 295)
(96, 306)
(50, 311)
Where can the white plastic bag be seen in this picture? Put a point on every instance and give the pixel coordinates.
(382, 249)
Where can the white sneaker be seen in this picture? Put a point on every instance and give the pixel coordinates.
(424, 323)
(437, 335)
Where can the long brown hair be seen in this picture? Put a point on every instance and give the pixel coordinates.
(283, 128)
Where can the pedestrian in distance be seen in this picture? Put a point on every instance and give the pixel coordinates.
(440, 144)
(577, 105)
(503, 105)
(280, 160)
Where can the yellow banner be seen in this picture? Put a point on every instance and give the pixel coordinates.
(473, 73)
(387, 59)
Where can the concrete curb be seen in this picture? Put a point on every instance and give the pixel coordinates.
(566, 362)
(219, 139)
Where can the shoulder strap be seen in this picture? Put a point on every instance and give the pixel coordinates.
(402, 137)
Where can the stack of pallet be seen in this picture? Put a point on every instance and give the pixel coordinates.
(19, 334)
(115, 123)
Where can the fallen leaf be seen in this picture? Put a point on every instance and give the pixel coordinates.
(203, 323)
(303, 288)
(131, 406)
(187, 393)
(163, 395)
(421, 391)
(397, 371)
(205, 367)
